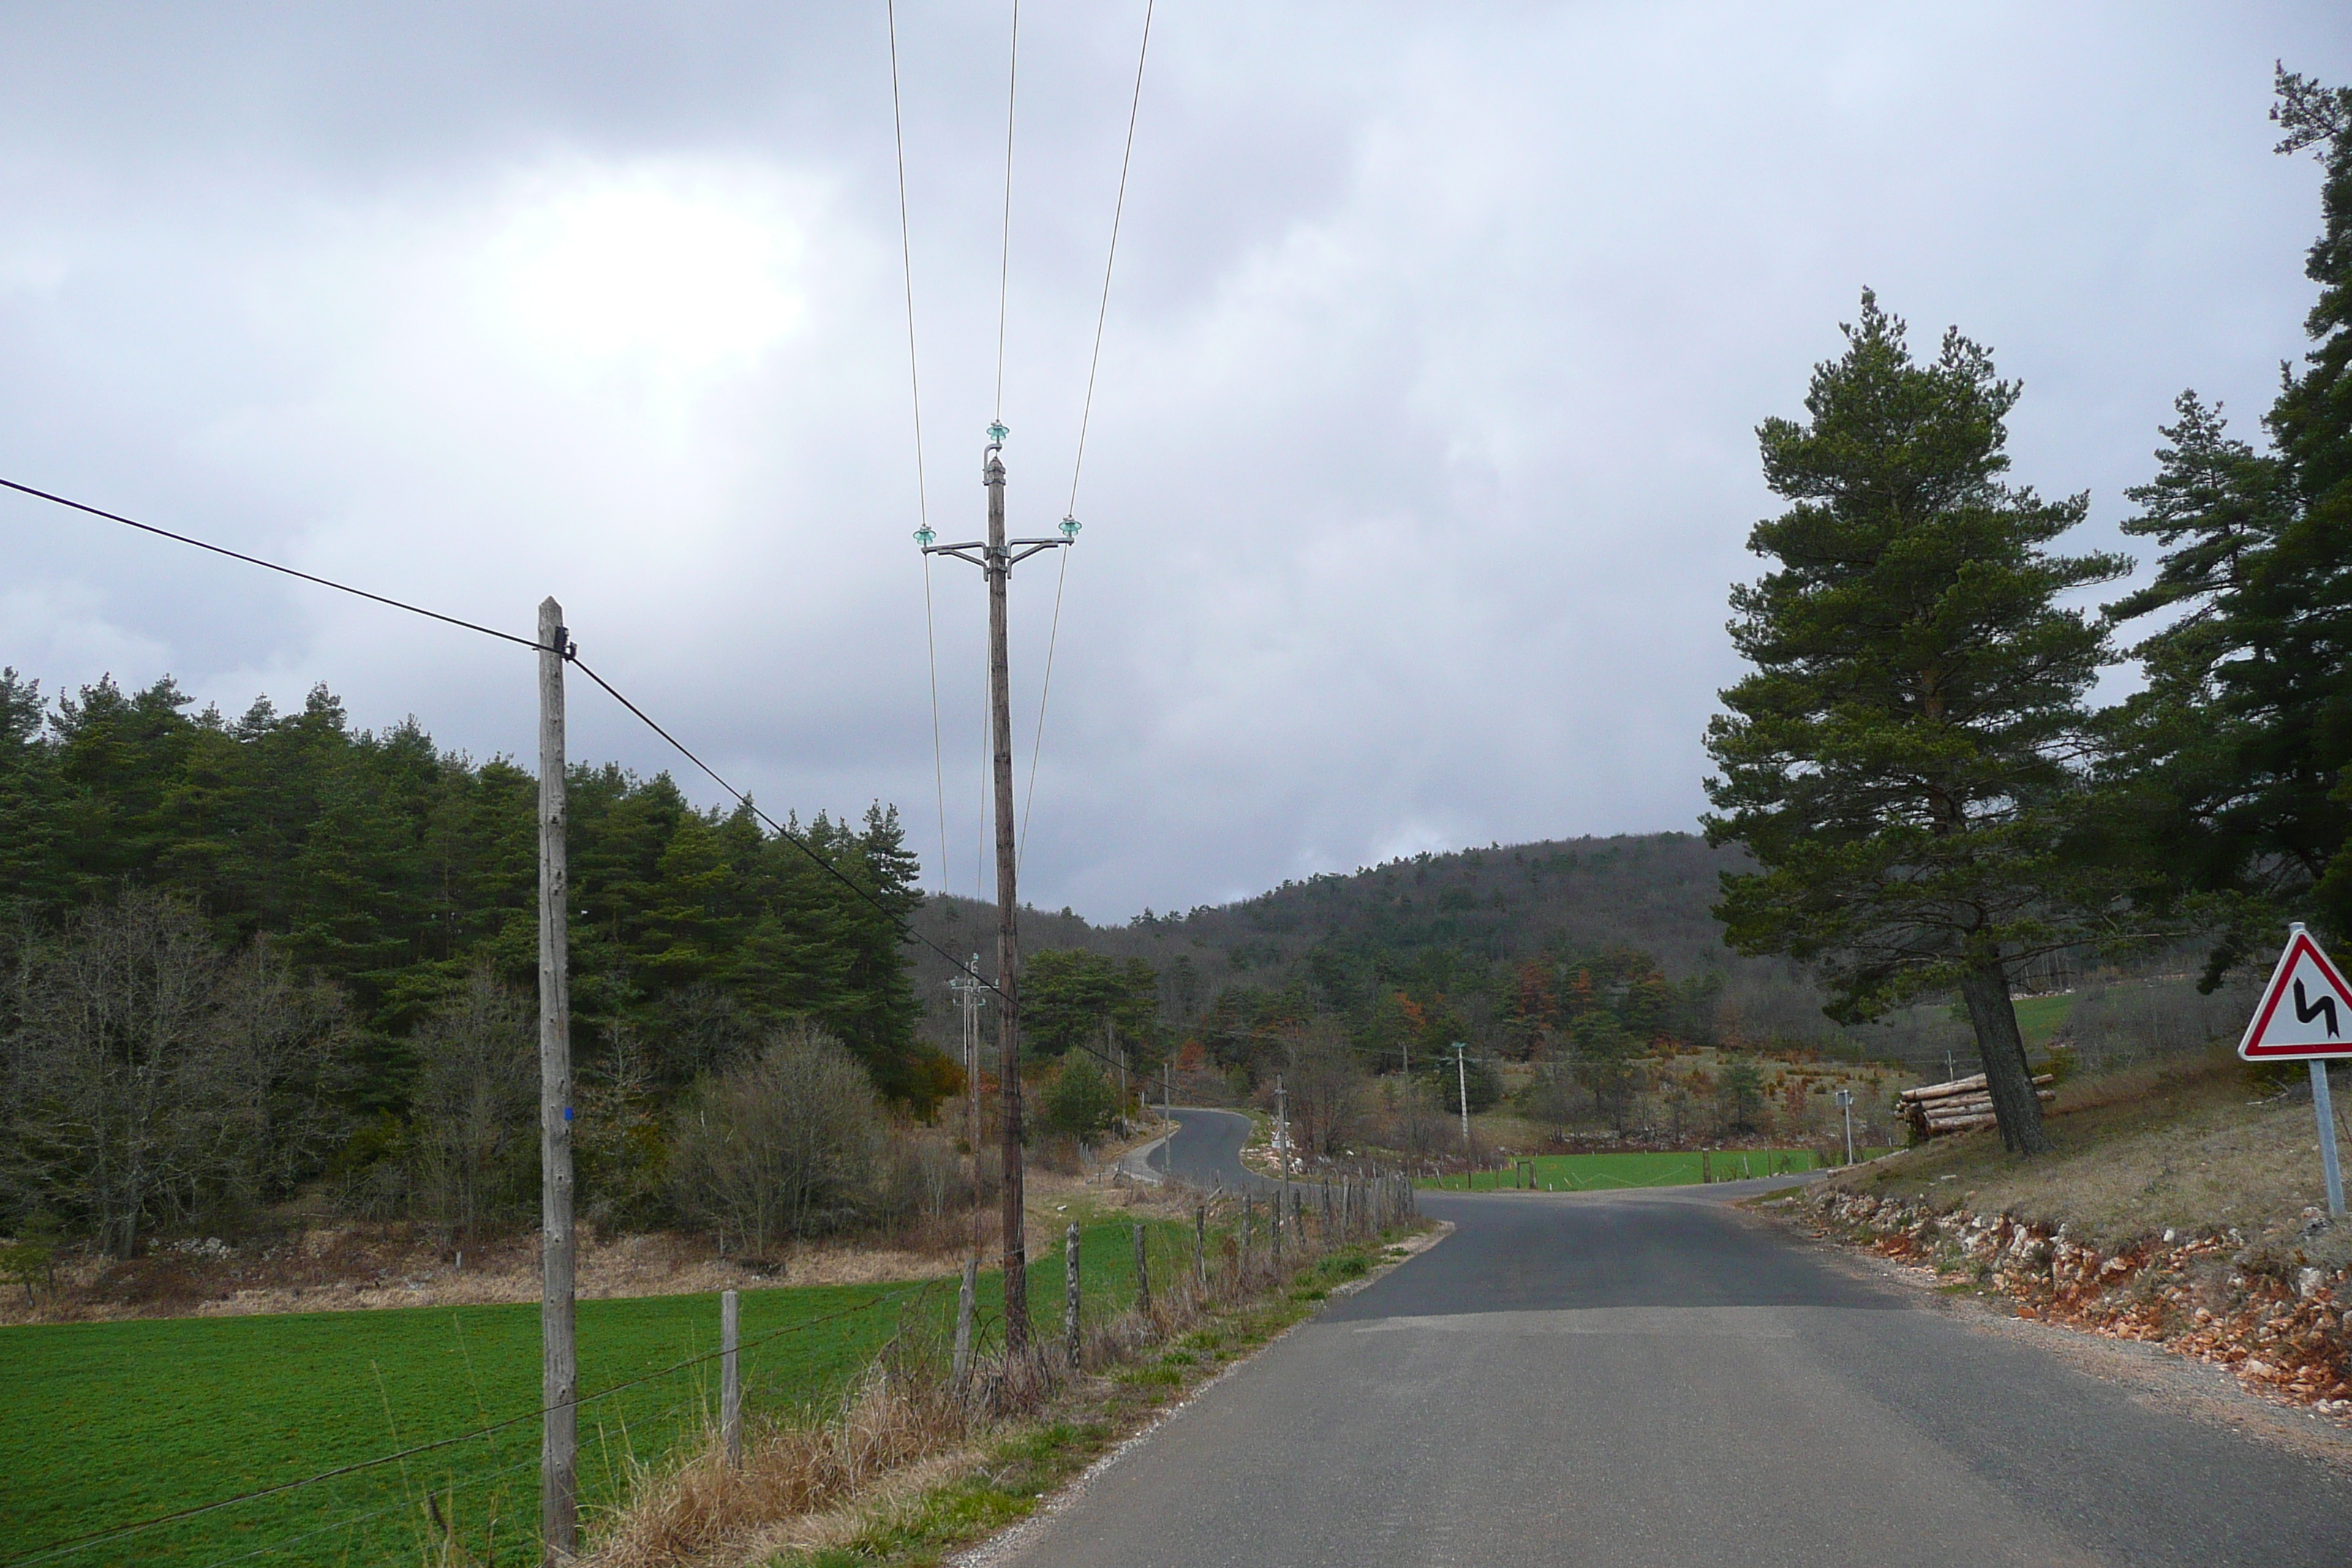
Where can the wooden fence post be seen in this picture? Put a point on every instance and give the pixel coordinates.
(730, 1375)
(1142, 1275)
(1070, 1298)
(1201, 1246)
(962, 1368)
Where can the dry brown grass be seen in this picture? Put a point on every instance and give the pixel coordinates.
(2196, 1150)
(813, 1482)
(796, 1477)
(349, 1267)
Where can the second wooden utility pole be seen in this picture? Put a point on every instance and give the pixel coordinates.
(1008, 934)
(558, 1496)
(996, 557)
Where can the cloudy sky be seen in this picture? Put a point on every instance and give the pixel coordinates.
(1422, 446)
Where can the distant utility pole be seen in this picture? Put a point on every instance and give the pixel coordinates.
(559, 1492)
(1845, 1104)
(1461, 1088)
(967, 988)
(996, 557)
(1281, 1129)
(1119, 1054)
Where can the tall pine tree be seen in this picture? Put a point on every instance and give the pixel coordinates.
(1906, 761)
(2236, 761)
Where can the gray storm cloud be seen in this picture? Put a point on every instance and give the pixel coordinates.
(1422, 447)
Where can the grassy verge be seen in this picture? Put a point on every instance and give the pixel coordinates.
(103, 1424)
(1593, 1173)
(2182, 1208)
(2196, 1148)
(1008, 1477)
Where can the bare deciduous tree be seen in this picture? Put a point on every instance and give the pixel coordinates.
(473, 1135)
(1326, 1081)
(784, 1145)
(151, 1079)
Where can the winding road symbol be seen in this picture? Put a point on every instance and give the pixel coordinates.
(2303, 1009)
(2306, 1011)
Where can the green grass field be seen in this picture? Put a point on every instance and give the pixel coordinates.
(1593, 1173)
(2038, 1017)
(103, 1424)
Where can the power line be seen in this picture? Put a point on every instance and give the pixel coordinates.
(897, 921)
(267, 565)
(915, 383)
(1086, 417)
(1117, 211)
(1045, 689)
(1004, 249)
(572, 655)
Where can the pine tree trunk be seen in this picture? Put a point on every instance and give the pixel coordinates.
(2014, 1103)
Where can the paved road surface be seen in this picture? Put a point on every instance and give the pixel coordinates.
(1206, 1151)
(1652, 1379)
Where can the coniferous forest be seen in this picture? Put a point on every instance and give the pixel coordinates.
(293, 932)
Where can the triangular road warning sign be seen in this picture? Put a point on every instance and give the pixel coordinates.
(2307, 1011)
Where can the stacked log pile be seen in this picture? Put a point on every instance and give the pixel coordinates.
(1934, 1110)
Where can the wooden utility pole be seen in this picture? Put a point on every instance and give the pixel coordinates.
(559, 1499)
(996, 557)
(1008, 934)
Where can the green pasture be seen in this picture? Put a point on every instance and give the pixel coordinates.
(1594, 1172)
(103, 1424)
(2038, 1017)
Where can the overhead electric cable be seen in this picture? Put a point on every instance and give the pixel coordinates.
(1085, 415)
(915, 384)
(572, 656)
(781, 831)
(1005, 247)
(1117, 211)
(267, 565)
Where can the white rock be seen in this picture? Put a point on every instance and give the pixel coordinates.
(2307, 1282)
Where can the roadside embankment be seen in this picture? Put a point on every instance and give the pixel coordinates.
(2182, 1209)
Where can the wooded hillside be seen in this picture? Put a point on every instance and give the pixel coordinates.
(1450, 934)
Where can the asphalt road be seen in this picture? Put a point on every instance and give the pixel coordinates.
(1651, 1378)
(1207, 1151)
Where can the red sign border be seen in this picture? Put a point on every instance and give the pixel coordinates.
(2300, 943)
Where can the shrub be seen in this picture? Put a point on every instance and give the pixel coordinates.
(785, 1145)
(1079, 1101)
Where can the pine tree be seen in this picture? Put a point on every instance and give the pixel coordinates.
(2235, 764)
(1905, 760)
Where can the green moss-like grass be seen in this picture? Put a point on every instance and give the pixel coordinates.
(102, 1425)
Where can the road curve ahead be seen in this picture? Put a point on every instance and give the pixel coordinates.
(1205, 1150)
(1649, 1378)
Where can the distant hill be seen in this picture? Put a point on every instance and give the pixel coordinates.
(1438, 920)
